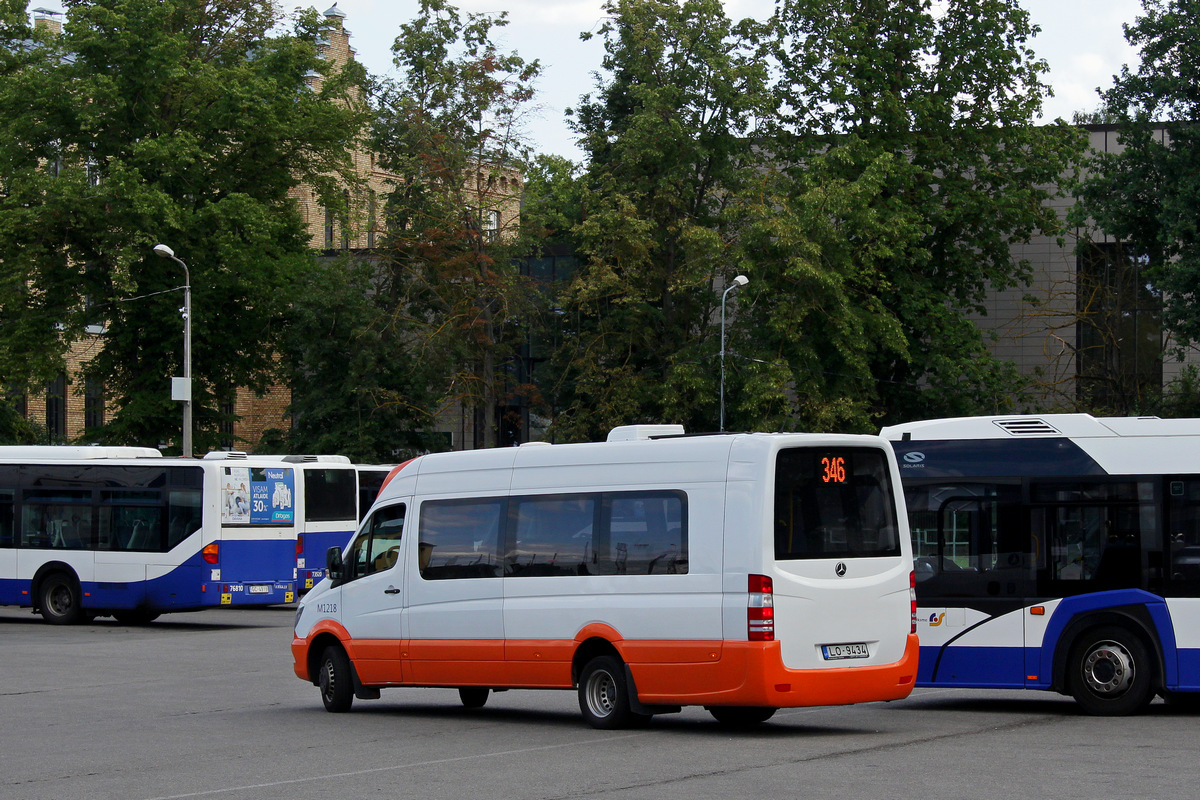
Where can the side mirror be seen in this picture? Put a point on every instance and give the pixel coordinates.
(333, 563)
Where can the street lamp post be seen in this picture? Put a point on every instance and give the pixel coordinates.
(738, 282)
(185, 392)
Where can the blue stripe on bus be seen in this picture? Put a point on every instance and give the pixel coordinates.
(190, 586)
(314, 546)
(1011, 667)
(1071, 607)
(975, 667)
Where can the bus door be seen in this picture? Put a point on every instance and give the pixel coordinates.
(9, 593)
(972, 587)
(1183, 572)
(455, 595)
(372, 595)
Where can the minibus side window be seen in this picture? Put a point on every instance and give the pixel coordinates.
(647, 534)
(553, 536)
(460, 538)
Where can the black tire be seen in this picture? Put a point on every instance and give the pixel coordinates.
(1110, 672)
(473, 696)
(604, 695)
(135, 617)
(59, 599)
(741, 716)
(335, 680)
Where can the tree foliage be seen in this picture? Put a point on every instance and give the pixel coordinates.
(177, 121)
(670, 145)
(1145, 195)
(867, 165)
(449, 132)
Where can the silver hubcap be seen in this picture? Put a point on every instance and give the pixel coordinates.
(601, 693)
(60, 600)
(1108, 669)
(328, 679)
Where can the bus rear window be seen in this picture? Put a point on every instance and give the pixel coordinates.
(834, 503)
(330, 495)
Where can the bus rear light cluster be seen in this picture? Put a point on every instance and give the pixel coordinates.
(760, 610)
(912, 600)
(210, 553)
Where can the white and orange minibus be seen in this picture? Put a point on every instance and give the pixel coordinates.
(741, 572)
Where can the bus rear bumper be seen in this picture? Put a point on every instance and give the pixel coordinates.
(753, 674)
(234, 594)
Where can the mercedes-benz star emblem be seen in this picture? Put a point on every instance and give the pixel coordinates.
(840, 569)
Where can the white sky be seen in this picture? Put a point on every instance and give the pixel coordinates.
(1081, 39)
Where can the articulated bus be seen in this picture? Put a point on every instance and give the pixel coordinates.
(743, 573)
(122, 531)
(1057, 552)
(326, 507)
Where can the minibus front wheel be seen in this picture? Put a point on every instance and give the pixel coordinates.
(604, 695)
(335, 680)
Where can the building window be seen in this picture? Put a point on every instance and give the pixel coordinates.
(491, 225)
(225, 425)
(93, 403)
(329, 229)
(1119, 330)
(371, 217)
(56, 406)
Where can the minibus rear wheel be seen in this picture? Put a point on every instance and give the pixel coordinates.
(337, 685)
(604, 695)
(741, 716)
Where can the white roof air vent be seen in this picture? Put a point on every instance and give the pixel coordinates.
(1027, 426)
(633, 433)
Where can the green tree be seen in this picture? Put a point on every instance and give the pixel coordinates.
(185, 122)
(908, 162)
(668, 135)
(358, 388)
(1146, 195)
(450, 133)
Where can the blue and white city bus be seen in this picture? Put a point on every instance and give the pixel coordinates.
(1057, 552)
(371, 478)
(326, 507)
(122, 531)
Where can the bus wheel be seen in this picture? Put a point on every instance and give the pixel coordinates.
(741, 716)
(337, 687)
(1109, 672)
(604, 697)
(59, 600)
(473, 696)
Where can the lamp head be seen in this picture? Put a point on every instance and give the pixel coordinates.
(740, 280)
(163, 251)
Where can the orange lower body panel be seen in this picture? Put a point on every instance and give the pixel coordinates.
(665, 672)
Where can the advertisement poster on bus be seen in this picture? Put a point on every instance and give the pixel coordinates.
(257, 496)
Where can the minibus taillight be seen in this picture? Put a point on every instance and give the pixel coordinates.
(912, 600)
(760, 610)
(210, 553)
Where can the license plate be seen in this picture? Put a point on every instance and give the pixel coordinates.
(836, 651)
(260, 589)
